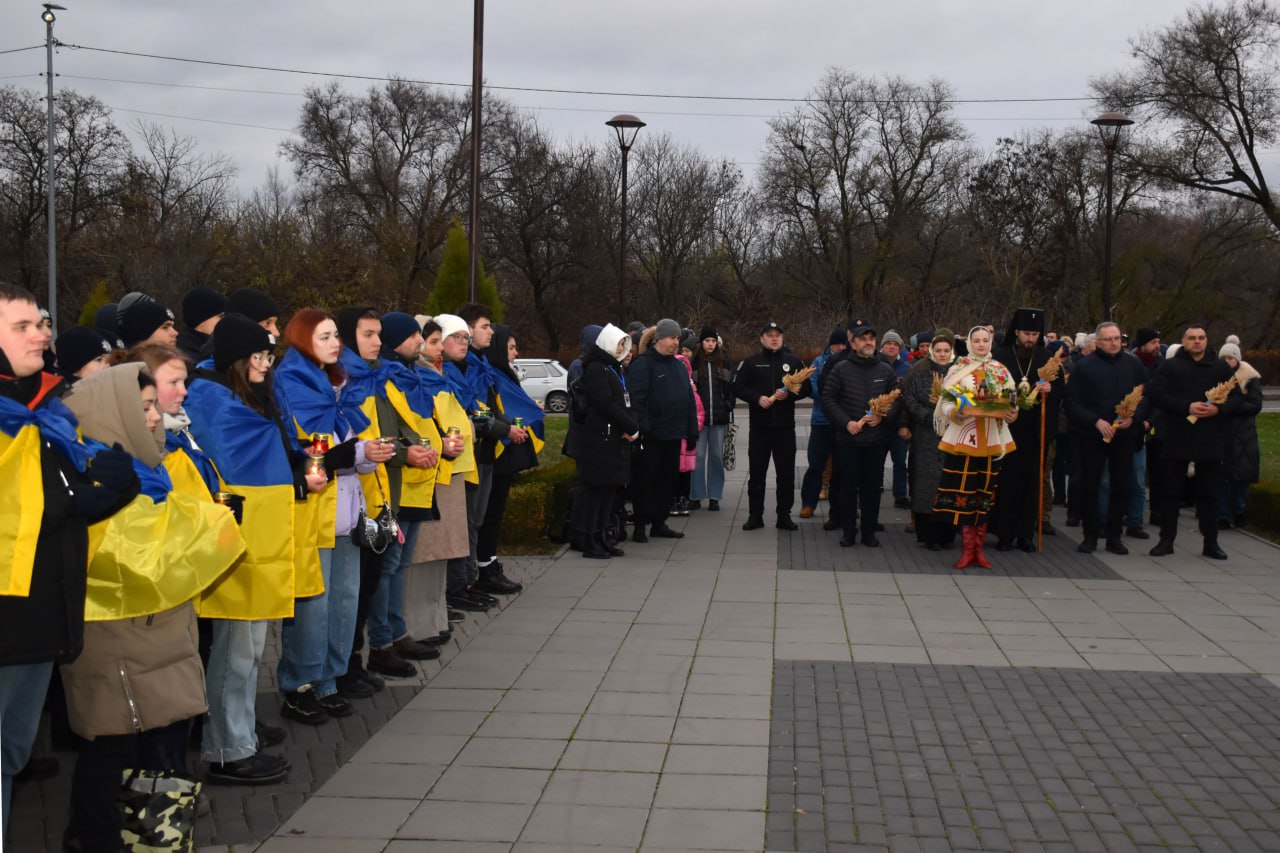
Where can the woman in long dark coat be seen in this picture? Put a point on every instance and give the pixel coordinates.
(926, 458)
(603, 437)
(1242, 463)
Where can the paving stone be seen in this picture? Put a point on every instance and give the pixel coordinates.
(600, 788)
(1006, 758)
(569, 825)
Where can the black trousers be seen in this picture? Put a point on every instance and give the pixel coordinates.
(778, 444)
(1118, 459)
(654, 472)
(491, 527)
(1018, 495)
(370, 572)
(95, 783)
(1206, 486)
(592, 506)
(861, 475)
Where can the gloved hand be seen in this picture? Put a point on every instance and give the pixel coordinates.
(340, 456)
(113, 469)
(116, 484)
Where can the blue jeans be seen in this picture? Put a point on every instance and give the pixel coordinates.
(821, 444)
(1137, 491)
(898, 448)
(386, 611)
(315, 645)
(22, 690)
(1232, 501)
(231, 679)
(708, 476)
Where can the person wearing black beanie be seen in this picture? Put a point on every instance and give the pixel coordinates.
(238, 337)
(202, 308)
(81, 351)
(107, 324)
(397, 328)
(146, 321)
(257, 306)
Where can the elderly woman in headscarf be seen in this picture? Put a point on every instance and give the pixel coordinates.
(920, 394)
(971, 418)
(132, 694)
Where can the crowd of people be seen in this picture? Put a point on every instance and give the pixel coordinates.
(985, 431)
(174, 489)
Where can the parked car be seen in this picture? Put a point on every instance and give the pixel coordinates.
(545, 381)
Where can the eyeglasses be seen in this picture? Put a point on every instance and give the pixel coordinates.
(265, 359)
(461, 337)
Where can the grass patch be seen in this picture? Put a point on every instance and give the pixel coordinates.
(1264, 497)
(1269, 445)
(539, 497)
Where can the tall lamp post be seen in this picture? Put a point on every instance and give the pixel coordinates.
(1109, 126)
(627, 127)
(48, 17)
(477, 98)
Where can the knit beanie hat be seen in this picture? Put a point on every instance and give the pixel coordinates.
(142, 318)
(106, 319)
(942, 333)
(451, 324)
(200, 304)
(708, 331)
(891, 337)
(1233, 339)
(667, 328)
(1144, 336)
(1230, 350)
(78, 346)
(838, 338)
(254, 304)
(236, 337)
(927, 337)
(398, 327)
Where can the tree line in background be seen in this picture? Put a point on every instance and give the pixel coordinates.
(870, 199)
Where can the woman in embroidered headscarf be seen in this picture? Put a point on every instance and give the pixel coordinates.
(132, 693)
(971, 415)
(921, 395)
(315, 645)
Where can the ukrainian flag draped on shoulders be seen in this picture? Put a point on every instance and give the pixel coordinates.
(22, 480)
(514, 403)
(168, 545)
(249, 454)
(365, 383)
(453, 402)
(408, 391)
(311, 406)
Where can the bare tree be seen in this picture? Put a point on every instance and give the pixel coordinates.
(1208, 90)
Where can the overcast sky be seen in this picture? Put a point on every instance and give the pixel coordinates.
(746, 48)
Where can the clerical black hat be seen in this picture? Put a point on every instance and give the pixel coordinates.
(1026, 320)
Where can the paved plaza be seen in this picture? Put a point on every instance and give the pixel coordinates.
(772, 691)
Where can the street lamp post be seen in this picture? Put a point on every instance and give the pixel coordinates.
(627, 127)
(1109, 126)
(477, 98)
(48, 17)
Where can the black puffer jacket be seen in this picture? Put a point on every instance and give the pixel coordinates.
(714, 380)
(1098, 383)
(847, 393)
(1180, 382)
(662, 397)
(759, 376)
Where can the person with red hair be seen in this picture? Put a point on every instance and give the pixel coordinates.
(316, 643)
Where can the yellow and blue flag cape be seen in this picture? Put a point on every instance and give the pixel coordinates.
(22, 483)
(164, 548)
(514, 403)
(249, 453)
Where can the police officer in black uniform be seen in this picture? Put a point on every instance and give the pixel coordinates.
(773, 424)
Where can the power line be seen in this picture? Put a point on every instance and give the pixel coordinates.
(21, 49)
(204, 120)
(384, 79)
(182, 85)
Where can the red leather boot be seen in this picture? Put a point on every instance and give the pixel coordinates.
(966, 547)
(979, 543)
